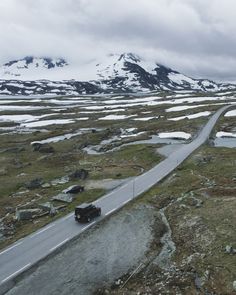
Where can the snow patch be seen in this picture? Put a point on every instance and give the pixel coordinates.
(181, 135)
(193, 116)
(231, 113)
(116, 117)
(225, 134)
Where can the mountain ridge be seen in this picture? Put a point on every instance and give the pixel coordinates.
(125, 73)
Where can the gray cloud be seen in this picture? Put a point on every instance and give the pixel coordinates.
(196, 37)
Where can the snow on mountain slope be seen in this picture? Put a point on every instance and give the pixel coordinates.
(110, 74)
(32, 68)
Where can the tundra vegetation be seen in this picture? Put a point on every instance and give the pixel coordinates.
(39, 159)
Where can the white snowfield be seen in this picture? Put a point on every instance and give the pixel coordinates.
(180, 79)
(225, 134)
(23, 118)
(47, 122)
(179, 134)
(16, 118)
(145, 119)
(188, 107)
(20, 108)
(116, 117)
(231, 113)
(59, 137)
(132, 135)
(118, 105)
(82, 119)
(82, 108)
(183, 108)
(193, 116)
(103, 111)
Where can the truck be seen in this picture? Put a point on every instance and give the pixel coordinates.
(86, 212)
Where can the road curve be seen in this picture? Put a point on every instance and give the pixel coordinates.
(21, 255)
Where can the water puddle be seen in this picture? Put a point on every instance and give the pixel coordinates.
(155, 139)
(225, 142)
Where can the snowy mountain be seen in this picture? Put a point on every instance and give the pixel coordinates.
(111, 74)
(31, 67)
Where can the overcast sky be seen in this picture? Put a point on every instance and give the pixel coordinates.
(196, 37)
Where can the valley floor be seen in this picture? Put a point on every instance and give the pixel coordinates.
(178, 238)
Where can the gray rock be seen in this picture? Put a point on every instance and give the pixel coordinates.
(61, 180)
(27, 214)
(9, 209)
(79, 174)
(53, 211)
(46, 206)
(42, 148)
(234, 285)
(46, 185)
(3, 171)
(35, 183)
(198, 282)
(67, 198)
(230, 250)
(49, 207)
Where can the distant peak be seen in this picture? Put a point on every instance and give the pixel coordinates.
(46, 62)
(130, 57)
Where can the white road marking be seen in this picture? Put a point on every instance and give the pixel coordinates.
(125, 202)
(88, 226)
(41, 231)
(58, 245)
(16, 272)
(109, 212)
(11, 248)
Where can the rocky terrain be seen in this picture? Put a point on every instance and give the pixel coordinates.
(198, 254)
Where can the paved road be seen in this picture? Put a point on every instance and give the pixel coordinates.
(24, 253)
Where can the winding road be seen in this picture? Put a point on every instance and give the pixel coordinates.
(23, 254)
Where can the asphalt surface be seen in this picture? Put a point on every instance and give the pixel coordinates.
(21, 255)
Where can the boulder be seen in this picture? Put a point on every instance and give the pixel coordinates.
(46, 185)
(49, 207)
(61, 180)
(27, 214)
(63, 197)
(34, 184)
(79, 174)
(3, 171)
(42, 148)
(46, 206)
(234, 285)
(230, 250)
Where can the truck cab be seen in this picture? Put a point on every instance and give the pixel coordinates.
(86, 212)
